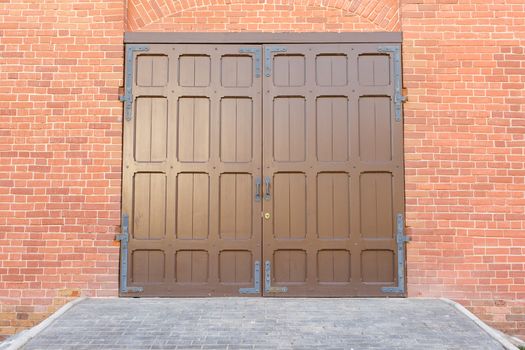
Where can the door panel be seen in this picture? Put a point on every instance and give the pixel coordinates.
(192, 154)
(334, 157)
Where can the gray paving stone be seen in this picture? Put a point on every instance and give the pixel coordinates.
(263, 323)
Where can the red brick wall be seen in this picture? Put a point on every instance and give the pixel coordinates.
(270, 15)
(60, 127)
(464, 69)
(60, 154)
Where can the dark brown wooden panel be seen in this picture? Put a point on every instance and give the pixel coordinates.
(289, 129)
(192, 266)
(152, 70)
(377, 220)
(289, 266)
(374, 69)
(149, 206)
(289, 206)
(235, 266)
(375, 129)
(236, 206)
(194, 70)
(377, 266)
(333, 266)
(331, 70)
(147, 266)
(192, 154)
(236, 130)
(288, 70)
(333, 206)
(193, 129)
(151, 129)
(330, 130)
(193, 206)
(237, 71)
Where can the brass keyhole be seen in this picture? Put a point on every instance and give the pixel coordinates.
(267, 216)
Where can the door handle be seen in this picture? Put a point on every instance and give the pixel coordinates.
(267, 195)
(257, 189)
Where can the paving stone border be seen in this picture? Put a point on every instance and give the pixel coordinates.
(260, 323)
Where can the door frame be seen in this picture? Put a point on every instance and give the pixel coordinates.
(262, 38)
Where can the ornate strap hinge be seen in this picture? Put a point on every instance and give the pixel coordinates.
(268, 58)
(398, 93)
(401, 239)
(257, 55)
(127, 98)
(124, 239)
(256, 289)
(268, 280)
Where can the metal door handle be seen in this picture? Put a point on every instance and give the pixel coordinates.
(257, 189)
(267, 195)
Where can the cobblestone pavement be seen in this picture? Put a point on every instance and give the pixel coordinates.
(263, 323)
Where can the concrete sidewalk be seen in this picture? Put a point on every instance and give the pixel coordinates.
(263, 323)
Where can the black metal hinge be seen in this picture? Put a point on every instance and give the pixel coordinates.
(268, 280)
(257, 55)
(398, 93)
(256, 281)
(127, 98)
(401, 239)
(124, 239)
(268, 58)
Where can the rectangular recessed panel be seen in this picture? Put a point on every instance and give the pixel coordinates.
(151, 129)
(333, 266)
(149, 206)
(375, 129)
(152, 70)
(376, 199)
(235, 206)
(147, 266)
(194, 70)
(193, 206)
(193, 129)
(289, 129)
(236, 71)
(333, 205)
(288, 70)
(236, 130)
(374, 69)
(289, 265)
(377, 266)
(191, 266)
(331, 70)
(332, 129)
(289, 206)
(235, 266)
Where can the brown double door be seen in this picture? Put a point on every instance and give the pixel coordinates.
(262, 170)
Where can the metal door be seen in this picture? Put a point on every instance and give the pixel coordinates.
(192, 155)
(332, 162)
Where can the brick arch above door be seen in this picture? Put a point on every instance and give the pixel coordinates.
(265, 16)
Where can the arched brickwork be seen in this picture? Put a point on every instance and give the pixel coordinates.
(257, 15)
